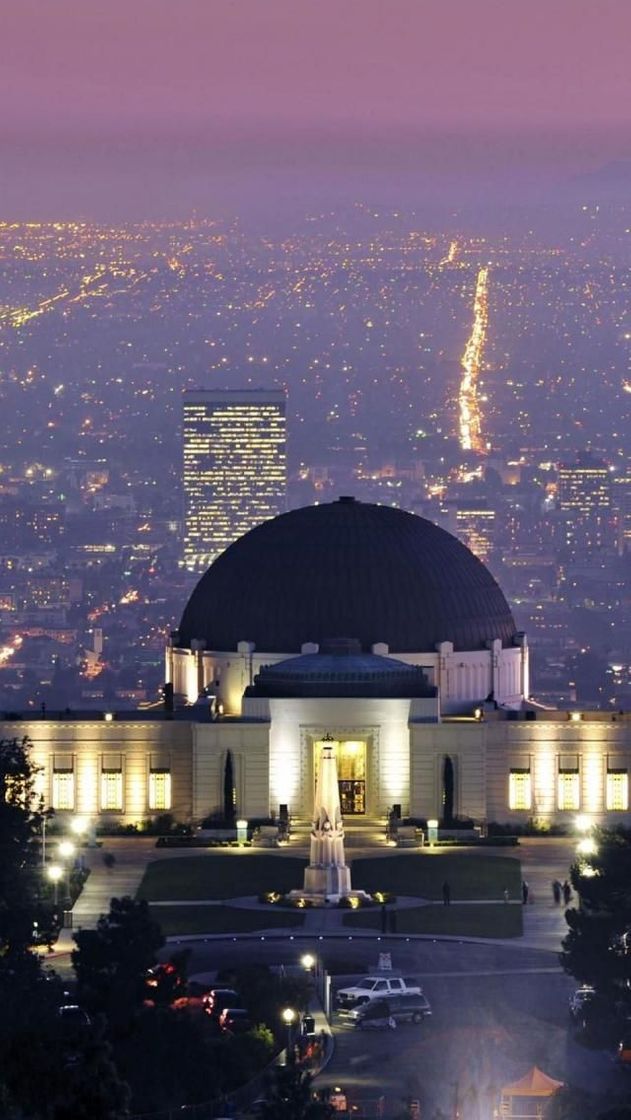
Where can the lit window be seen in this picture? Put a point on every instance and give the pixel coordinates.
(63, 789)
(569, 789)
(618, 790)
(519, 790)
(160, 789)
(111, 790)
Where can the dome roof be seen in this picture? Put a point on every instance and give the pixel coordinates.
(373, 572)
(341, 669)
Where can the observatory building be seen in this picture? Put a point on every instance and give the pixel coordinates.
(350, 623)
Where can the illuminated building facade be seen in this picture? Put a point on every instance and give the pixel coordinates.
(474, 524)
(235, 473)
(432, 678)
(585, 501)
(622, 511)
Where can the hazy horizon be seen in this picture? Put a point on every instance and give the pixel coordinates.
(154, 109)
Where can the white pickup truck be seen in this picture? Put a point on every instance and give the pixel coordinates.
(379, 986)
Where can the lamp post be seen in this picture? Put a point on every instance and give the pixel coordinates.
(55, 872)
(289, 1016)
(80, 826)
(67, 850)
(44, 819)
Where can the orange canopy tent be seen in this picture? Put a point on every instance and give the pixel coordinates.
(525, 1098)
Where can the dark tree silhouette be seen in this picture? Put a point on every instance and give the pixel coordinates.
(448, 791)
(21, 817)
(290, 1097)
(111, 962)
(229, 798)
(596, 949)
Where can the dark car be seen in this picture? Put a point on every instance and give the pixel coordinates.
(392, 1011)
(73, 1018)
(235, 1020)
(219, 998)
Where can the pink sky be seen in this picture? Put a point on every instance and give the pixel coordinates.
(131, 105)
(116, 63)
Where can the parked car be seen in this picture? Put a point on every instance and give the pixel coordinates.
(73, 1018)
(386, 1012)
(580, 999)
(219, 998)
(376, 987)
(235, 1020)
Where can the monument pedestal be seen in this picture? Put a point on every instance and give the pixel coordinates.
(327, 878)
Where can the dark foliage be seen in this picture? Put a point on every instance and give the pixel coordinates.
(448, 791)
(290, 1096)
(21, 816)
(47, 1072)
(111, 962)
(229, 799)
(595, 950)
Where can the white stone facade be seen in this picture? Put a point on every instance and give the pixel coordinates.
(464, 679)
(546, 766)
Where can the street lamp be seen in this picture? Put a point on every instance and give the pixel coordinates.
(289, 1016)
(587, 847)
(79, 825)
(582, 823)
(66, 849)
(55, 872)
(308, 961)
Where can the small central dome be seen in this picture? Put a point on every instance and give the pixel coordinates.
(336, 671)
(374, 572)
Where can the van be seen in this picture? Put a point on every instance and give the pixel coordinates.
(383, 1013)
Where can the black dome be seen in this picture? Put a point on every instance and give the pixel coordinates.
(347, 568)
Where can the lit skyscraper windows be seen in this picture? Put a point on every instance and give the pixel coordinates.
(235, 473)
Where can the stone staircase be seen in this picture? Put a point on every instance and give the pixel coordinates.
(359, 832)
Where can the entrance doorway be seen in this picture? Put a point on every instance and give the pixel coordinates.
(350, 756)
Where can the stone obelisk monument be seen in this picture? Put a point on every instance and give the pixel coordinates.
(327, 878)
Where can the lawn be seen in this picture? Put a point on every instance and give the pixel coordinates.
(179, 921)
(458, 921)
(470, 875)
(220, 875)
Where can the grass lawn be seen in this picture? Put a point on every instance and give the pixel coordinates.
(464, 921)
(182, 920)
(220, 875)
(470, 875)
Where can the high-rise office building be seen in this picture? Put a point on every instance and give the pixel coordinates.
(235, 473)
(584, 498)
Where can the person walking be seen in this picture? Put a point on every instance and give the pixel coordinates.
(524, 891)
(567, 893)
(446, 894)
(556, 892)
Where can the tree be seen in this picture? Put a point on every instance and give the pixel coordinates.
(448, 791)
(47, 1073)
(112, 961)
(229, 799)
(596, 950)
(290, 1096)
(21, 817)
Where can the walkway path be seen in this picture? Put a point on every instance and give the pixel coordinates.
(542, 860)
